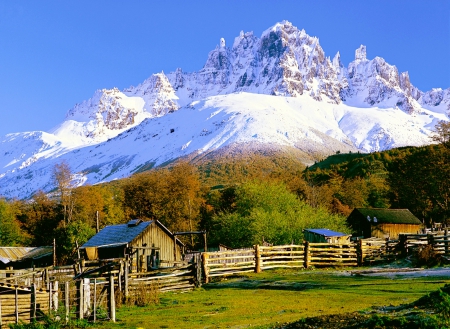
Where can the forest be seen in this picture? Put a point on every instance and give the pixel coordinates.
(238, 201)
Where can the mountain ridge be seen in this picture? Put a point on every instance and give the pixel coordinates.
(290, 94)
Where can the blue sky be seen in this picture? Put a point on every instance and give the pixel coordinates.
(54, 54)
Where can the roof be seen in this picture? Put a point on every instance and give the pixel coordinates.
(116, 235)
(325, 232)
(388, 216)
(122, 234)
(13, 254)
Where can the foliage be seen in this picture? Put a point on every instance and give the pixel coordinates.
(420, 183)
(265, 211)
(173, 196)
(427, 256)
(10, 230)
(49, 322)
(67, 238)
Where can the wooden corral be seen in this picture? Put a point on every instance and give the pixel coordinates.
(147, 244)
(383, 223)
(323, 235)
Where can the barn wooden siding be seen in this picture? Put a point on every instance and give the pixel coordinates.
(393, 230)
(155, 236)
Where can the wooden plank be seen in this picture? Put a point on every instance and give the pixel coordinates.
(230, 273)
(333, 259)
(230, 268)
(299, 252)
(287, 262)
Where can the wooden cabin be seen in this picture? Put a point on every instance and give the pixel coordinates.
(147, 244)
(25, 257)
(323, 235)
(383, 223)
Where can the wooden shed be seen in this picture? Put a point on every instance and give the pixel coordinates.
(146, 243)
(323, 235)
(383, 223)
(25, 257)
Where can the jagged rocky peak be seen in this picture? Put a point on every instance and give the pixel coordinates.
(380, 83)
(361, 53)
(437, 97)
(104, 110)
(158, 94)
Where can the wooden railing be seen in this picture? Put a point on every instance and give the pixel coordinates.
(281, 256)
(221, 263)
(331, 254)
(375, 250)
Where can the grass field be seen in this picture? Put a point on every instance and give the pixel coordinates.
(272, 298)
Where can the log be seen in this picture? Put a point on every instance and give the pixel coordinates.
(230, 273)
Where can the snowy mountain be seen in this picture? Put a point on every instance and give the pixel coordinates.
(278, 93)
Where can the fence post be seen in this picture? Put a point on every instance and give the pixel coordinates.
(33, 303)
(126, 277)
(50, 299)
(67, 304)
(306, 254)
(111, 299)
(446, 240)
(198, 269)
(95, 300)
(360, 252)
(430, 239)
(205, 266)
(80, 298)
(86, 296)
(257, 259)
(55, 295)
(403, 245)
(17, 305)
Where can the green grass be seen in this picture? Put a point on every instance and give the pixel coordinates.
(273, 297)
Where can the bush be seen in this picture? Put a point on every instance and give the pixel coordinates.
(427, 256)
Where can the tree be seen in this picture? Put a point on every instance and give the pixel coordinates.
(40, 217)
(10, 232)
(62, 178)
(173, 196)
(442, 133)
(421, 183)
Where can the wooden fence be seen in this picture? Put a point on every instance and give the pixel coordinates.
(90, 294)
(331, 254)
(26, 303)
(259, 258)
(440, 241)
(374, 250)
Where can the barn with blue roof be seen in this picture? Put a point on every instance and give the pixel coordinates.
(323, 235)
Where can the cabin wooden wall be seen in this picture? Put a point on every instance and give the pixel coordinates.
(155, 236)
(393, 230)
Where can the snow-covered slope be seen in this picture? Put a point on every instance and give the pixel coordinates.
(274, 92)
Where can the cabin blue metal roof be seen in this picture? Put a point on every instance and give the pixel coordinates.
(116, 235)
(325, 232)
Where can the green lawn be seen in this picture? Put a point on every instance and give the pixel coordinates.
(273, 297)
